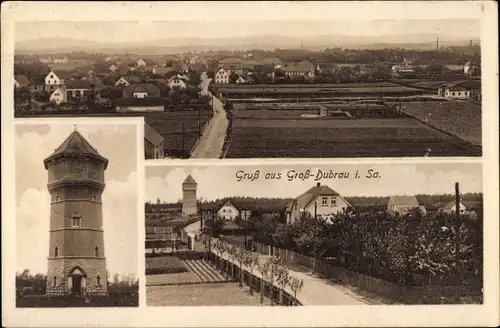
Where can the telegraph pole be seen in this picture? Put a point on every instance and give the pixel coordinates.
(314, 235)
(245, 227)
(183, 141)
(199, 122)
(457, 242)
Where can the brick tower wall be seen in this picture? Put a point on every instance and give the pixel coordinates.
(189, 203)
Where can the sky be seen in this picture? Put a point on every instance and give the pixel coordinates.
(135, 31)
(165, 183)
(117, 143)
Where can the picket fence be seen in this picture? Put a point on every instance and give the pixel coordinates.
(434, 294)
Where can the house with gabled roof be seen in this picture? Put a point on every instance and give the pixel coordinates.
(404, 205)
(320, 200)
(455, 90)
(303, 68)
(228, 211)
(179, 81)
(76, 88)
(153, 143)
(141, 90)
(451, 208)
(54, 80)
(21, 81)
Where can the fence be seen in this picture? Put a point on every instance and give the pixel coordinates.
(232, 272)
(426, 294)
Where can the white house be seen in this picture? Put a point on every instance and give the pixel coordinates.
(404, 205)
(112, 68)
(109, 59)
(320, 200)
(61, 60)
(222, 76)
(454, 90)
(451, 208)
(140, 63)
(121, 82)
(240, 80)
(53, 79)
(58, 96)
(228, 211)
(178, 81)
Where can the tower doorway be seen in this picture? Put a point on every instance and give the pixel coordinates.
(77, 277)
(76, 289)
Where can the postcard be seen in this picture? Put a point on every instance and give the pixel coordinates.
(250, 164)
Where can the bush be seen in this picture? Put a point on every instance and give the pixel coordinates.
(164, 265)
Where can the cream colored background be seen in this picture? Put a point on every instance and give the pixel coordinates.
(484, 315)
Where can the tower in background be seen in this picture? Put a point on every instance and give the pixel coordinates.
(189, 203)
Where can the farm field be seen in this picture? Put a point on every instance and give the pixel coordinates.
(219, 294)
(68, 66)
(460, 118)
(306, 85)
(370, 137)
(179, 129)
(168, 123)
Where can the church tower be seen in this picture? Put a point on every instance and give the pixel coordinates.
(189, 204)
(76, 262)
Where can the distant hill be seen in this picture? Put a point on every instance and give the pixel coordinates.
(264, 42)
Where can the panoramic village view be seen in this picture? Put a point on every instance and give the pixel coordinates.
(273, 96)
(317, 247)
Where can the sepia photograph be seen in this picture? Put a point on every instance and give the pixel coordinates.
(263, 89)
(299, 235)
(76, 215)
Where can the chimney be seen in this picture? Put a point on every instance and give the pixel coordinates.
(318, 184)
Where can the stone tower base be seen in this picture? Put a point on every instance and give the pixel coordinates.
(82, 276)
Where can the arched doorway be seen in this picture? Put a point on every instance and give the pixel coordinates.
(77, 281)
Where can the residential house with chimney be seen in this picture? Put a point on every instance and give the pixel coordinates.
(320, 200)
(403, 205)
(154, 144)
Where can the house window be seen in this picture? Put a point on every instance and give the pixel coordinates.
(51, 76)
(324, 201)
(453, 93)
(96, 251)
(334, 201)
(56, 252)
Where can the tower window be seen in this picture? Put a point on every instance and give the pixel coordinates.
(58, 198)
(93, 198)
(56, 252)
(96, 251)
(76, 220)
(98, 281)
(55, 281)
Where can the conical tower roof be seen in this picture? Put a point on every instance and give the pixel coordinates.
(76, 144)
(189, 179)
